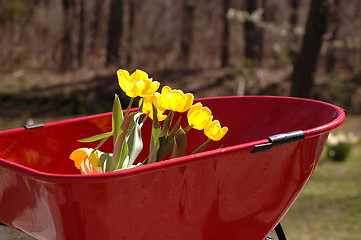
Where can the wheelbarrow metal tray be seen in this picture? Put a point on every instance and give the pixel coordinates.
(239, 191)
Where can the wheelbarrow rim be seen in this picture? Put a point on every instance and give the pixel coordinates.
(158, 166)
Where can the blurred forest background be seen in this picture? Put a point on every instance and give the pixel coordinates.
(59, 57)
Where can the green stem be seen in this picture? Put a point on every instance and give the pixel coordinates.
(145, 118)
(129, 106)
(145, 161)
(101, 143)
(188, 128)
(171, 117)
(201, 147)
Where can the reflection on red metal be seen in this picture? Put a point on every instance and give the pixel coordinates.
(240, 191)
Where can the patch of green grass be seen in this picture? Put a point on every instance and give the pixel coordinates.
(330, 205)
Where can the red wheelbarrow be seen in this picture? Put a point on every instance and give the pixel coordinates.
(239, 191)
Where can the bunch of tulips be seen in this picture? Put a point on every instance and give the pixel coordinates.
(166, 138)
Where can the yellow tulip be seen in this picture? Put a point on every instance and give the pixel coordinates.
(149, 101)
(199, 117)
(136, 84)
(175, 100)
(214, 131)
(80, 154)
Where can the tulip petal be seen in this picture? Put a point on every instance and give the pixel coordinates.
(188, 101)
(195, 107)
(136, 84)
(79, 155)
(132, 90)
(123, 76)
(87, 167)
(176, 101)
(164, 101)
(199, 117)
(149, 87)
(214, 131)
(94, 158)
(139, 75)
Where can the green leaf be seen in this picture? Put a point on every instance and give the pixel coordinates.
(117, 117)
(175, 128)
(180, 144)
(135, 142)
(122, 162)
(166, 140)
(165, 146)
(105, 160)
(132, 123)
(156, 130)
(119, 141)
(165, 128)
(125, 163)
(96, 137)
(153, 153)
(171, 116)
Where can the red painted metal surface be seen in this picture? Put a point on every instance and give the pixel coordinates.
(228, 193)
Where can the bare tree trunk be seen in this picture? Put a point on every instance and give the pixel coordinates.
(294, 16)
(81, 32)
(132, 4)
(95, 25)
(253, 36)
(188, 7)
(334, 24)
(115, 30)
(66, 62)
(304, 66)
(225, 35)
(292, 39)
